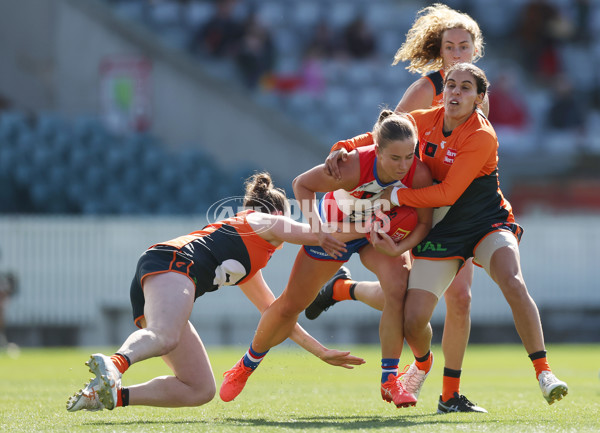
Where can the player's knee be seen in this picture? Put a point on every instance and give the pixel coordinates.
(199, 394)
(410, 328)
(287, 308)
(204, 394)
(458, 302)
(414, 323)
(513, 287)
(395, 298)
(165, 341)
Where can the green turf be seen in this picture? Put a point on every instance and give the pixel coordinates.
(294, 392)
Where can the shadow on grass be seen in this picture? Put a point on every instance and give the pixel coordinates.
(346, 422)
(308, 423)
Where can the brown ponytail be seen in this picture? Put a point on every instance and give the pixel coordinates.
(262, 196)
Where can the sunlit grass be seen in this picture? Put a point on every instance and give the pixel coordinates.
(294, 391)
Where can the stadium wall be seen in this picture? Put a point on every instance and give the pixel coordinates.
(52, 65)
(74, 276)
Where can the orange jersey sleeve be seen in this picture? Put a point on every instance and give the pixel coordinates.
(470, 151)
(361, 140)
(352, 143)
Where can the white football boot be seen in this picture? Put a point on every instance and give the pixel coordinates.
(86, 398)
(552, 388)
(109, 379)
(412, 379)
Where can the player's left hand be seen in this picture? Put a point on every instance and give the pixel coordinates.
(341, 359)
(383, 242)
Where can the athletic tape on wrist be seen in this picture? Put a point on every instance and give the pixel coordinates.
(394, 196)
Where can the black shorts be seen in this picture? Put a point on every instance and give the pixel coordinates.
(156, 261)
(444, 243)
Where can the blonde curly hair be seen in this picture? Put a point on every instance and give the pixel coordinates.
(424, 39)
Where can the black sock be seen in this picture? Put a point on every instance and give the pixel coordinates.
(125, 396)
(423, 358)
(537, 355)
(448, 372)
(351, 291)
(126, 358)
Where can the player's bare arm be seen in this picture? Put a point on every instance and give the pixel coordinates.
(418, 96)
(316, 180)
(259, 293)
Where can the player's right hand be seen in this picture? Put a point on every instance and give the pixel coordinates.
(332, 163)
(341, 359)
(333, 247)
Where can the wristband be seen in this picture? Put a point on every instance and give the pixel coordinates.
(394, 196)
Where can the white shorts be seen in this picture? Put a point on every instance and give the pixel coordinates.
(435, 276)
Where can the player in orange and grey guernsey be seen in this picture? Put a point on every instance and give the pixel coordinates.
(171, 275)
(459, 145)
(439, 38)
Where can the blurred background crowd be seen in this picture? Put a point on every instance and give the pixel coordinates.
(159, 108)
(325, 65)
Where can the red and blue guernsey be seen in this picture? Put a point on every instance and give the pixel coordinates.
(358, 204)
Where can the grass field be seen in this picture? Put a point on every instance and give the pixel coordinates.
(294, 392)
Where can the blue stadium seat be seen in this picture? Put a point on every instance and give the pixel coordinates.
(132, 10)
(12, 125)
(341, 12)
(272, 13)
(305, 14)
(197, 13)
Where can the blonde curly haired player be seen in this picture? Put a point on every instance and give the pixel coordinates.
(424, 40)
(439, 38)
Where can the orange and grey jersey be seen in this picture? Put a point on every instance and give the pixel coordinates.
(464, 162)
(436, 79)
(224, 253)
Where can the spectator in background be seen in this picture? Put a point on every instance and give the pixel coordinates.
(323, 42)
(582, 11)
(256, 54)
(565, 113)
(359, 40)
(312, 76)
(509, 109)
(321, 47)
(509, 113)
(220, 36)
(8, 288)
(540, 30)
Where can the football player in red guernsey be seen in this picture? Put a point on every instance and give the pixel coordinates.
(354, 197)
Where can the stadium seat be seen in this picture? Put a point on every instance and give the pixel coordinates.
(165, 14)
(360, 74)
(300, 103)
(305, 14)
(336, 98)
(272, 13)
(340, 13)
(197, 13)
(12, 125)
(132, 10)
